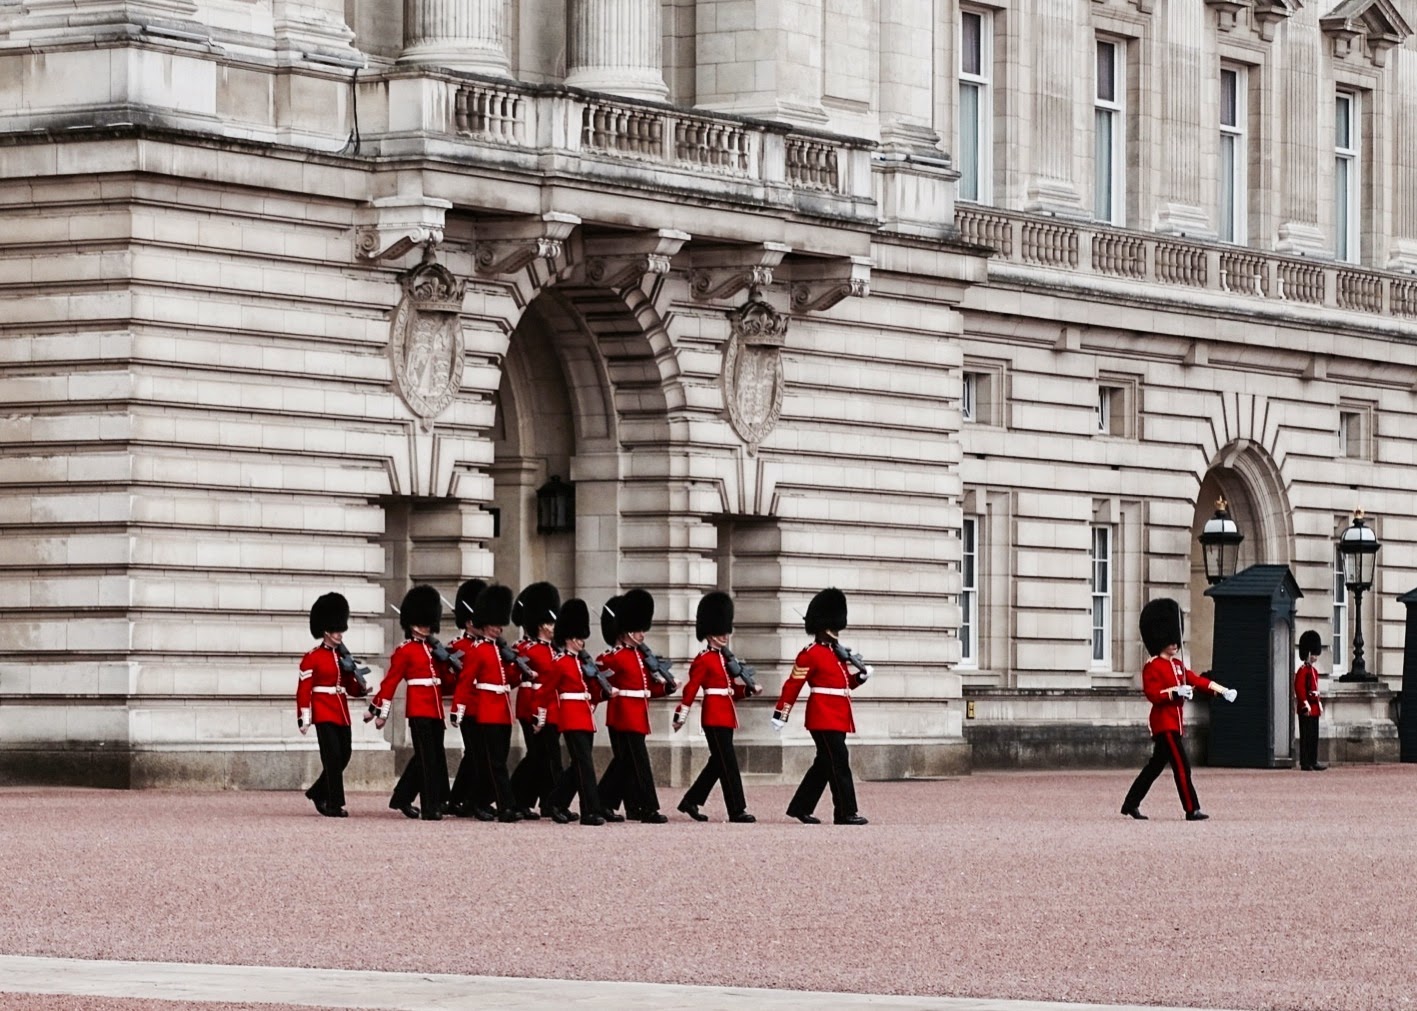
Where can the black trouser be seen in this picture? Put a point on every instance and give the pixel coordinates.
(1308, 742)
(465, 792)
(629, 777)
(539, 771)
(579, 775)
(831, 767)
(722, 767)
(426, 774)
(1168, 748)
(492, 742)
(335, 748)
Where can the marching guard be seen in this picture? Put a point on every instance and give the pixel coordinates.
(1307, 701)
(483, 695)
(321, 700)
(709, 673)
(426, 775)
(1167, 684)
(624, 622)
(565, 686)
(464, 799)
(824, 667)
(536, 610)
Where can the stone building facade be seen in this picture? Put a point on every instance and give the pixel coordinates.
(971, 310)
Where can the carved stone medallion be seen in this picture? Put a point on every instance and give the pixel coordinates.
(426, 345)
(752, 370)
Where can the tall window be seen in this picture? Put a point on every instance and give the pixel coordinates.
(1102, 597)
(1110, 143)
(1347, 174)
(1340, 616)
(975, 106)
(969, 593)
(1233, 154)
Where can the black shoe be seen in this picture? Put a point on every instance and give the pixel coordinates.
(432, 816)
(560, 816)
(854, 819)
(653, 818)
(611, 816)
(692, 810)
(409, 811)
(507, 817)
(592, 819)
(742, 818)
(805, 819)
(528, 814)
(1196, 816)
(483, 814)
(331, 812)
(1134, 812)
(1319, 768)
(1306, 768)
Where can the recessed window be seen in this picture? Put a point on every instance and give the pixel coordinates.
(981, 394)
(1347, 174)
(1355, 431)
(976, 103)
(1234, 156)
(1116, 405)
(969, 397)
(1102, 597)
(1109, 139)
(969, 593)
(1340, 617)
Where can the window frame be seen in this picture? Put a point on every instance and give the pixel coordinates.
(982, 83)
(969, 598)
(1238, 223)
(1347, 241)
(969, 398)
(1115, 109)
(1103, 599)
(1338, 641)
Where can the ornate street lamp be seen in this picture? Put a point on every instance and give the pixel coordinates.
(1358, 545)
(1220, 544)
(555, 507)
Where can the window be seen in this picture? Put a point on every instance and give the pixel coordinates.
(1116, 405)
(1340, 616)
(1350, 433)
(969, 593)
(969, 397)
(976, 105)
(981, 393)
(1110, 143)
(1347, 173)
(1233, 154)
(1102, 597)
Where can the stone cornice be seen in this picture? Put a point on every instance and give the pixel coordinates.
(1373, 25)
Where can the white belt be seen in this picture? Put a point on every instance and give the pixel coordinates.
(329, 689)
(532, 685)
(581, 696)
(626, 693)
(831, 691)
(424, 682)
(718, 691)
(486, 687)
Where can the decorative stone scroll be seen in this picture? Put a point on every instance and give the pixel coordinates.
(426, 344)
(752, 370)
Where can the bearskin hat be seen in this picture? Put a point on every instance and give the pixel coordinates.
(610, 620)
(636, 611)
(1161, 625)
(493, 606)
(1310, 644)
(536, 606)
(467, 596)
(573, 620)
(715, 615)
(421, 606)
(329, 613)
(826, 612)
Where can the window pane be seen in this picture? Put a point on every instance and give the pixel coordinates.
(1102, 156)
(1227, 187)
(969, 141)
(1341, 186)
(1342, 122)
(1229, 98)
(1107, 71)
(971, 47)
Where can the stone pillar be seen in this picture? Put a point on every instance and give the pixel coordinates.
(1403, 252)
(760, 59)
(459, 34)
(1301, 141)
(1180, 207)
(906, 74)
(1051, 184)
(616, 46)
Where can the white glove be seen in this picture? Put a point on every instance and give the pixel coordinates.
(1230, 694)
(778, 724)
(304, 727)
(1306, 709)
(453, 719)
(865, 675)
(538, 721)
(302, 720)
(1185, 691)
(681, 715)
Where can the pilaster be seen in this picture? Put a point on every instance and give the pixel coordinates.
(459, 34)
(1051, 185)
(1403, 255)
(1183, 92)
(1299, 140)
(616, 46)
(761, 59)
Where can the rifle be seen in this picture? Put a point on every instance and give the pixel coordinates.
(846, 656)
(658, 667)
(738, 669)
(518, 660)
(589, 669)
(354, 668)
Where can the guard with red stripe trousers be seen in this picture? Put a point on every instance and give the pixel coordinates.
(1167, 684)
(322, 699)
(426, 775)
(484, 696)
(709, 673)
(824, 667)
(1307, 702)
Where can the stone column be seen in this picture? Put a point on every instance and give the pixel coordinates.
(1302, 142)
(616, 46)
(760, 59)
(459, 34)
(1403, 252)
(1180, 207)
(906, 73)
(1051, 183)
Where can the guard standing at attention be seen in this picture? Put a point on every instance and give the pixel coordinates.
(1307, 702)
(566, 686)
(321, 699)
(624, 622)
(463, 799)
(426, 775)
(536, 775)
(709, 673)
(823, 666)
(484, 696)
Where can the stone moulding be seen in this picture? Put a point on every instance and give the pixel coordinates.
(1376, 23)
(752, 370)
(425, 342)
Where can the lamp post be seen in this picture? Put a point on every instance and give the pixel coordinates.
(1358, 545)
(1220, 544)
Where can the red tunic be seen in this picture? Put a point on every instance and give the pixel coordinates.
(565, 686)
(628, 711)
(829, 704)
(413, 662)
(1306, 689)
(1167, 710)
(709, 673)
(320, 697)
(484, 688)
(539, 656)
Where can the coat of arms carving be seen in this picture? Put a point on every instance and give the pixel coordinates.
(752, 370)
(426, 345)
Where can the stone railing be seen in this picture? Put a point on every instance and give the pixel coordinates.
(1144, 256)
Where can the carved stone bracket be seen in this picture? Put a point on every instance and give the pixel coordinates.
(821, 284)
(390, 226)
(723, 271)
(425, 341)
(1227, 12)
(1268, 14)
(752, 370)
(617, 261)
(1378, 23)
(505, 247)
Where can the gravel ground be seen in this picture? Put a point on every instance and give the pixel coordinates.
(1298, 893)
(69, 1002)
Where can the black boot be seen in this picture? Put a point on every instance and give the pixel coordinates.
(692, 810)
(409, 811)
